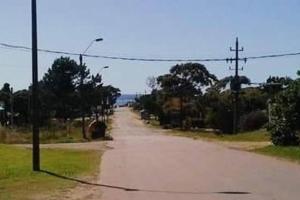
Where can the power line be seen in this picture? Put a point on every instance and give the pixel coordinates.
(273, 56)
(24, 48)
(18, 47)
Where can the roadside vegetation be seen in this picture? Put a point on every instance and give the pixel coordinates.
(287, 152)
(194, 103)
(254, 136)
(68, 93)
(51, 134)
(18, 181)
(54, 132)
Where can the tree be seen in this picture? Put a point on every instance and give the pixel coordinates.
(110, 94)
(22, 105)
(151, 82)
(59, 85)
(186, 82)
(275, 84)
(218, 101)
(286, 115)
(232, 82)
(218, 110)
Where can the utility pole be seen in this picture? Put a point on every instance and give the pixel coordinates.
(11, 107)
(236, 85)
(81, 96)
(35, 106)
(81, 86)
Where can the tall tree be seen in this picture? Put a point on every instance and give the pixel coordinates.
(60, 84)
(275, 84)
(232, 82)
(21, 105)
(185, 81)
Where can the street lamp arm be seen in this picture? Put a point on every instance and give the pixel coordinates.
(91, 43)
(102, 68)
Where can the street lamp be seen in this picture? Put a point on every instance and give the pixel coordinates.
(97, 107)
(91, 43)
(81, 83)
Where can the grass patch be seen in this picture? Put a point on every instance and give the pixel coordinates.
(56, 132)
(18, 181)
(24, 135)
(261, 135)
(290, 153)
(254, 136)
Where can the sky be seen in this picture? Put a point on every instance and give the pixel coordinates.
(151, 29)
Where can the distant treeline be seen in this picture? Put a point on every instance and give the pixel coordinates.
(189, 96)
(66, 91)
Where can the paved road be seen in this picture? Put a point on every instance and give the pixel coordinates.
(144, 164)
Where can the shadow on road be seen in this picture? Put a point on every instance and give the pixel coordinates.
(136, 189)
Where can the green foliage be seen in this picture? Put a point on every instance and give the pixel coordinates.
(66, 91)
(286, 115)
(234, 82)
(252, 136)
(219, 104)
(252, 99)
(290, 153)
(186, 82)
(110, 94)
(59, 85)
(70, 91)
(253, 120)
(275, 84)
(179, 97)
(22, 106)
(282, 134)
(54, 133)
(219, 111)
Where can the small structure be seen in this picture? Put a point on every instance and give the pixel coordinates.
(97, 129)
(145, 115)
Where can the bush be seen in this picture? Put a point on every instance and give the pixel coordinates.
(283, 135)
(285, 114)
(77, 123)
(220, 119)
(253, 121)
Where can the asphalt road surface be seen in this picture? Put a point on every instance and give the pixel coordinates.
(143, 163)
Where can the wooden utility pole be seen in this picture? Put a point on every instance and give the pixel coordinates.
(236, 85)
(12, 114)
(35, 105)
(81, 96)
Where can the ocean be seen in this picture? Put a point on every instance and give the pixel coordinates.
(125, 98)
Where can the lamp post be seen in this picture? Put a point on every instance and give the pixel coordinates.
(97, 110)
(81, 83)
(35, 107)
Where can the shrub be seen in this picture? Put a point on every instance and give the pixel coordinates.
(253, 120)
(77, 123)
(282, 134)
(220, 119)
(285, 114)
